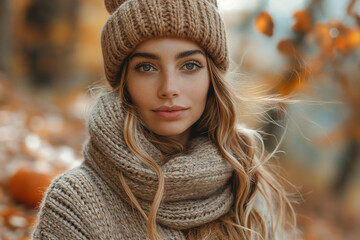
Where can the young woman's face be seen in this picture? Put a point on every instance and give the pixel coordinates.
(168, 82)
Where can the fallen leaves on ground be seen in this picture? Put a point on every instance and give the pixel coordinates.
(38, 140)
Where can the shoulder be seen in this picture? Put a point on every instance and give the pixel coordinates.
(80, 205)
(75, 185)
(65, 209)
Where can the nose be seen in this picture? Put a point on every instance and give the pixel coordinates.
(169, 86)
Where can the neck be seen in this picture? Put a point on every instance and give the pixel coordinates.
(168, 145)
(182, 138)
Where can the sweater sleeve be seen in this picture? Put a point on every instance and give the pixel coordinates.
(63, 211)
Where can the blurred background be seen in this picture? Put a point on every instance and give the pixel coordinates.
(50, 57)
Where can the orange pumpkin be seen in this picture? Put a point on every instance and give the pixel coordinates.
(28, 186)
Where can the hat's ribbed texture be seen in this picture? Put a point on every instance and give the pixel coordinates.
(134, 21)
(112, 5)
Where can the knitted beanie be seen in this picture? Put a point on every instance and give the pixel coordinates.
(134, 21)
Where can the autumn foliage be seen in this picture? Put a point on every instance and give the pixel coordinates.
(264, 24)
(324, 52)
(303, 21)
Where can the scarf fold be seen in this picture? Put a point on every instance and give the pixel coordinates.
(197, 186)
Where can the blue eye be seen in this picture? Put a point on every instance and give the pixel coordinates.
(192, 66)
(144, 67)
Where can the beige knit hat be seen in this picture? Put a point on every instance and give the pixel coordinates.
(134, 21)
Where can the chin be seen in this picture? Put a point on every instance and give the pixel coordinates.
(169, 131)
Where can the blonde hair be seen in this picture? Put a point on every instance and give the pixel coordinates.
(261, 203)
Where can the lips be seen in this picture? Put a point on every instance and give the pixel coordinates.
(170, 112)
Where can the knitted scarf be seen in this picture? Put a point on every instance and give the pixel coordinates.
(197, 186)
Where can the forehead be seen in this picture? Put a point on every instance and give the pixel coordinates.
(166, 45)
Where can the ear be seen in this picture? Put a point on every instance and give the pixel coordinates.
(112, 5)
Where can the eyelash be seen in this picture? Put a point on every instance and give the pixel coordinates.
(198, 66)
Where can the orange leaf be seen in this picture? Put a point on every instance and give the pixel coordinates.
(303, 21)
(348, 40)
(287, 47)
(264, 24)
(353, 38)
(341, 43)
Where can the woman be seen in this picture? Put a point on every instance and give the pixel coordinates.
(166, 158)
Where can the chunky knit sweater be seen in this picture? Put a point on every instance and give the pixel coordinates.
(89, 202)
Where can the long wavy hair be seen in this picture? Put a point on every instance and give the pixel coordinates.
(262, 208)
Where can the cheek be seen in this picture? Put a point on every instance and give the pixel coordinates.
(199, 91)
(139, 93)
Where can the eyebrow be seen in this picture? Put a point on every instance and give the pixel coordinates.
(189, 53)
(156, 57)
